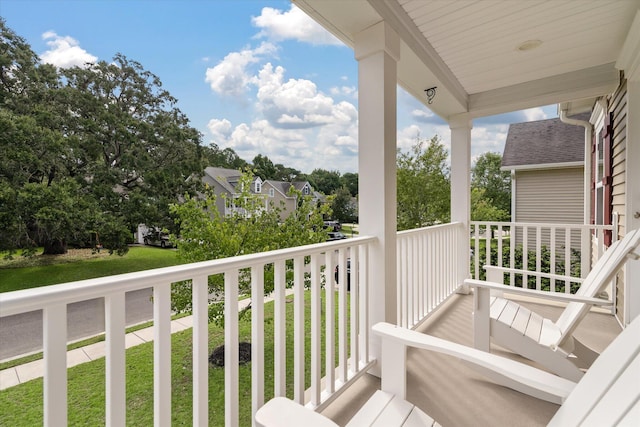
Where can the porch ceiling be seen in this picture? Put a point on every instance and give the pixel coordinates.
(469, 49)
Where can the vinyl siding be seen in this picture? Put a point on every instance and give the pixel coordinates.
(618, 105)
(550, 196)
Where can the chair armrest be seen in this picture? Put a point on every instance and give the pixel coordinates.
(516, 375)
(534, 273)
(555, 296)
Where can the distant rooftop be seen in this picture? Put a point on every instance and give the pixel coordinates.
(543, 142)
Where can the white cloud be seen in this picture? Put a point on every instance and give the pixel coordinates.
(349, 91)
(293, 24)
(65, 52)
(297, 103)
(533, 114)
(231, 76)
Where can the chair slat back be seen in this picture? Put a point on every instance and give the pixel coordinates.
(610, 389)
(602, 273)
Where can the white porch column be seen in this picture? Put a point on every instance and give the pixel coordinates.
(377, 50)
(461, 184)
(632, 214)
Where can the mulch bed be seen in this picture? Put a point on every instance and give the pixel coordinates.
(244, 354)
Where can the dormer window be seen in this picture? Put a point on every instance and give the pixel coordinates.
(306, 190)
(258, 187)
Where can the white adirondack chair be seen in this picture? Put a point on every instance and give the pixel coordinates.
(609, 393)
(549, 343)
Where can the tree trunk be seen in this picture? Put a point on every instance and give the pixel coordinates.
(55, 247)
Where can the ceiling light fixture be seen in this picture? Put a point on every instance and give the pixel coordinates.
(529, 45)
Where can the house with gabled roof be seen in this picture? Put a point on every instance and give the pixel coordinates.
(276, 194)
(546, 161)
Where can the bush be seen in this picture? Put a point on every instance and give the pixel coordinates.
(545, 264)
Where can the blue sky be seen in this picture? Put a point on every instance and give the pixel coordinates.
(257, 76)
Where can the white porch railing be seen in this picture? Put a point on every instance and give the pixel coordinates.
(312, 265)
(429, 269)
(557, 248)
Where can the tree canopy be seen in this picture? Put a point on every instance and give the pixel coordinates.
(491, 189)
(87, 151)
(206, 235)
(423, 186)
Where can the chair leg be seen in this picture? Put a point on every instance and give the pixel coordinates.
(585, 354)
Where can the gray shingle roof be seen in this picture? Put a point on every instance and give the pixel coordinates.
(544, 142)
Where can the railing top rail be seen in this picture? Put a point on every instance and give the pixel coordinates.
(429, 228)
(545, 225)
(36, 298)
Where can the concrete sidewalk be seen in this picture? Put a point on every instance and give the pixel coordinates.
(32, 370)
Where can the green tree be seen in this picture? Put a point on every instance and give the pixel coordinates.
(350, 181)
(327, 182)
(287, 174)
(206, 235)
(423, 185)
(494, 184)
(483, 209)
(264, 167)
(343, 206)
(107, 131)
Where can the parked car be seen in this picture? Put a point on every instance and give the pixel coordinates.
(335, 235)
(157, 238)
(333, 225)
(337, 274)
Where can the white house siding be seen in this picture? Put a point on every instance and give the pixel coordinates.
(550, 196)
(618, 105)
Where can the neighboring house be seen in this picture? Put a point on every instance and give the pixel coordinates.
(546, 161)
(276, 194)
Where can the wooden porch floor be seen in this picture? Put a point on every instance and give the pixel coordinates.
(453, 393)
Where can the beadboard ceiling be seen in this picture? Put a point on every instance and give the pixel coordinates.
(472, 49)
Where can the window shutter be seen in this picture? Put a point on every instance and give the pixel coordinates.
(607, 179)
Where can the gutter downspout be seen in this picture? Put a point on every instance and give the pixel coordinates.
(585, 250)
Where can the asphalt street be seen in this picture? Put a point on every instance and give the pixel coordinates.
(22, 333)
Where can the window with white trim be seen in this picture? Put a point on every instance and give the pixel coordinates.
(602, 173)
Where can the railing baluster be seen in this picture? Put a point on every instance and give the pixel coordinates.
(355, 307)
(342, 317)
(420, 282)
(567, 259)
(54, 328)
(280, 323)
(330, 323)
(200, 300)
(299, 330)
(162, 354)
(231, 370)
(361, 280)
(538, 256)
(315, 331)
(476, 251)
(500, 245)
(257, 338)
(552, 257)
(115, 371)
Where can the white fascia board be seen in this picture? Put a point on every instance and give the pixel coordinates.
(565, 165)
(587, 83)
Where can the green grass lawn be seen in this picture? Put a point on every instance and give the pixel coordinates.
(22, 405)
(48, 270)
